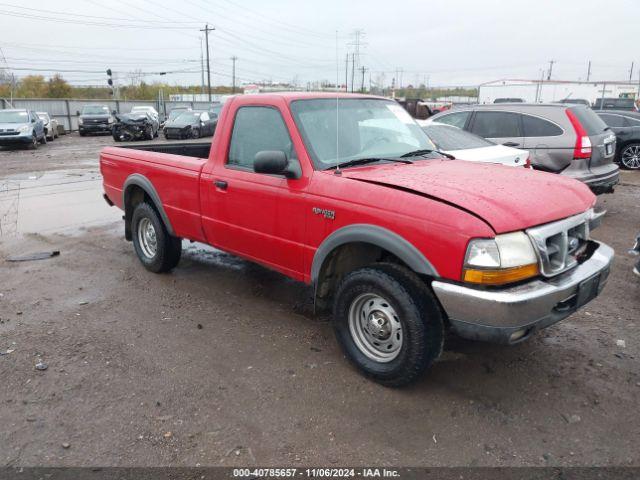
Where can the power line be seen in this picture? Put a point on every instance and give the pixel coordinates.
(119, 19)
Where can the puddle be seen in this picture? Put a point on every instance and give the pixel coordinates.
(63, 201)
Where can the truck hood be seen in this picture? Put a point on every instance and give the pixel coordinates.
(506, 198)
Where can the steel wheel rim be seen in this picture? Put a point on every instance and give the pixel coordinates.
(375, 327)
(631, 157)
(35, 140)
(147, 238)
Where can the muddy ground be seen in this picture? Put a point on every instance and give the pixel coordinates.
(220, 363)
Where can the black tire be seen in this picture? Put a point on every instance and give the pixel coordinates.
(117, 138)
(195, 133)
(417, 311)
(34, 142)
(168, 248)
(43, 140)
(629, 163)
(82, 134)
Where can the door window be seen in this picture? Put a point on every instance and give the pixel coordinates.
(539, 127)
(496, 124)
(257, 129)
(457, 119)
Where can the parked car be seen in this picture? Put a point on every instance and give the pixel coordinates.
(50, 125)
(135, 126)
(191, 124)
(173, 114)
(21, 127)
(95, 119)
(400, 241)
(508, 100)
(626, 126)
(615, 104)
(467, 146)
(145, 108)
(567, 139)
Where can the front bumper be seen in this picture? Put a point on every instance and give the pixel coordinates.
(22, 138)
(512, 314)
(95, 128)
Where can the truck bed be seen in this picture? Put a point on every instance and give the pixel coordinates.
(173, 170)
(185, 149)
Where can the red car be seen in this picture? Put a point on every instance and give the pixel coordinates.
(348, 195)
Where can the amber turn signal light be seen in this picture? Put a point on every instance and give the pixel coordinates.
(501, 276)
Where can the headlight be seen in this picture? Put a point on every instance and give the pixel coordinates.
(80, 122)
(24, 128)
(504, 259)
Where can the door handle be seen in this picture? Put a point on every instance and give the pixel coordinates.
(511, 144)
(221, 184)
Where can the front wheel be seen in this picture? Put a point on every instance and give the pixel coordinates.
(43, 140)
(34, 142)
(630, 156)
(388, 324)
(156, 248)
(195, 133)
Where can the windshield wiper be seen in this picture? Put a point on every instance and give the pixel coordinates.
(364, 161)
(425, 151)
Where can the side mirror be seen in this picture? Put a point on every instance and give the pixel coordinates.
(77, 113)
(113, 112)
(274, 162)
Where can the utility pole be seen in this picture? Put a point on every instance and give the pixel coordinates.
(631, 73)
(551, 62)
(362, 69)
(353, 70)
(233, 59)
(589, 71)
(201, 68)
(346, 73)
(206, 31)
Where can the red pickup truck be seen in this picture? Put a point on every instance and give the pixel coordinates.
(347, 194)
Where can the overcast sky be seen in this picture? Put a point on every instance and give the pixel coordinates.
(441, 42)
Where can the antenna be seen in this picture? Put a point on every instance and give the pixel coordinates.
(337, 170)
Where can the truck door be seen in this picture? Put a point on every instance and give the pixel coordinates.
(257, 216)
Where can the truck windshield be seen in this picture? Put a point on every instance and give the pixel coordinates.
(14, 117)
(95, 110)
(356, 128)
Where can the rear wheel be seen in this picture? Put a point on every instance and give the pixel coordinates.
(388, 323)
(630, 156)
(156, 248)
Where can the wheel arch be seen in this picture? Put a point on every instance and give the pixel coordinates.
(359, 245)
(138, 188)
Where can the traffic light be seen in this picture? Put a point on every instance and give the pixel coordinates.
(110, 79)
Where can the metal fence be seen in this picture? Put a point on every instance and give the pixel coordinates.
(66, 111)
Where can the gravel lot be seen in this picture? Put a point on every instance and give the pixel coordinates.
(221, 363)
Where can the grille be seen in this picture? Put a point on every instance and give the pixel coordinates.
(559, 243)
